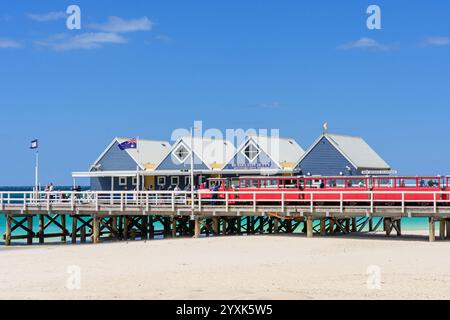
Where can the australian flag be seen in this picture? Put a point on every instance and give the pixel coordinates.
(34, 144)
(129, 144)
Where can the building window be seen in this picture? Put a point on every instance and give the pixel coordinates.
(122, 181)
(251, 151)
(161, 181)
(174, 181)
(181, 153)
(187, 181)
(134, 182)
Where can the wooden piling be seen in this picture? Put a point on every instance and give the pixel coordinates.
(431, 226)
(64, 227)
(144, 233)
(354, 225)
(151, 228)
(224, 226)
(216, 226)
(387, 226)
(276, 225)
(239, 225)
(30, 230)
(309, 227)
(447, 222)
(83, 234)
(95, 229)
(323, 230)
(442, 226)
(125, 228)
(41, 228)
(8, 231)
(74, 229)
(370, 224)
(174, 227)
(197, 229)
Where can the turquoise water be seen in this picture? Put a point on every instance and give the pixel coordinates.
(407, 223)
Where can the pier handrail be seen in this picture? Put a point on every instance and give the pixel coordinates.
(250, 200)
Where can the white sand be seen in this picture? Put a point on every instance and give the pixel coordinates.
(256, 267)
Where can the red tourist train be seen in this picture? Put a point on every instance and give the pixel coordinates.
(421, 189)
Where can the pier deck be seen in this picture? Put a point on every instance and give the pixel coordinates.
(137, 215)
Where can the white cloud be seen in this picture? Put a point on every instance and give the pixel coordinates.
(50, 16)
(8, 43)
(63, 42)
(364, 43)
(437, 41)
(119, 25)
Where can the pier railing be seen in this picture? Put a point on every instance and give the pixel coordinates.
(251, 200)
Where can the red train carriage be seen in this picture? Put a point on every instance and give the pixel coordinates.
(352, 189)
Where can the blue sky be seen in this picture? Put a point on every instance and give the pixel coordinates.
(160, 65)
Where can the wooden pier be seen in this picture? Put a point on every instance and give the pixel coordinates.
(99, 216)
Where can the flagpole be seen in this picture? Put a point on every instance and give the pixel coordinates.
(36, 172)
(138, 180)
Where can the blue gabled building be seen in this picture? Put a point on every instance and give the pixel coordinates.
(130, 169)
(261, 153)
(341, 155)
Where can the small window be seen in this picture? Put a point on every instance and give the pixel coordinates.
(187, 181)
(181, 153)
(174, 181)
(134, 182)
(161, 181)
(122, 181)
(251, 151)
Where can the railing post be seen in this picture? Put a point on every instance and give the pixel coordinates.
(435, 203)
(371, 202)
(312, 202)
(48, 201)
(403, 202)
(72, 202)
(96, 202)
(282, 202)
(199, 201)
(121, 202)
(227, 197)
(341, 202)
(147, 202)
(254, 202)
(173, 201)
(1, 201)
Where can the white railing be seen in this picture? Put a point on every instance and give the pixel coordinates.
(121, 200)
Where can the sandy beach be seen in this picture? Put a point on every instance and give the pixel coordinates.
(236, 267)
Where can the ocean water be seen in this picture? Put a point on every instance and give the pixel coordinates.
(407, 223)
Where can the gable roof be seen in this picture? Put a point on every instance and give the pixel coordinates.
(354, 149)
(214, 153)
(148, 154)
(284, 151)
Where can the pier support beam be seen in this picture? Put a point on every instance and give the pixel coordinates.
(174, 227)
(224, 226)
(95, 229)
(442, 227)
(332, 226)
(354, 225)
(41, 228)
(276, 225)
(197, 228)
(30, 230)
(126, 224)
(64, 228)
(431, 226)
(323, 230)
(216, 225)
(8, 231)
(447, 222)
(309, 227)
(74, 229)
